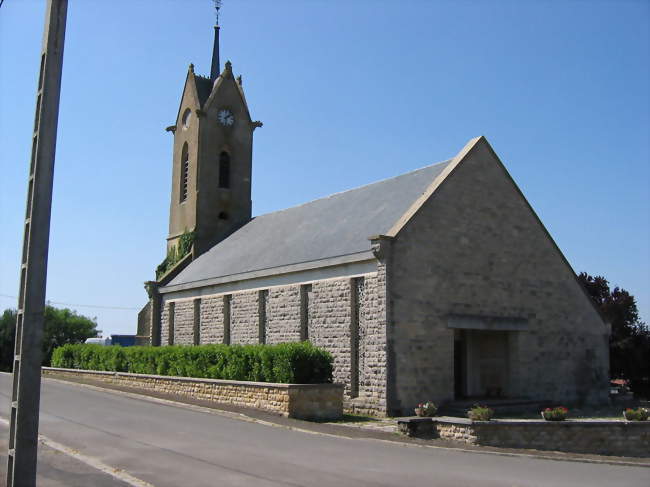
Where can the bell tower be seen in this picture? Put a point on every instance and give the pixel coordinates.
(212, 158)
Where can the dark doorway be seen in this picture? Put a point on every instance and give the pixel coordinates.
(459, 366)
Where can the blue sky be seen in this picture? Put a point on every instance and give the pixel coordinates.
(349, 92)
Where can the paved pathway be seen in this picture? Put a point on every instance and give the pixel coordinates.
(168, 445)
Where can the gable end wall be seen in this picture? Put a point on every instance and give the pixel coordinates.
(476, 248)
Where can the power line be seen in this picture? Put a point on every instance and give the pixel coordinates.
(98, 306)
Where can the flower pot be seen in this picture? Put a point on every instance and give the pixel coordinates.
(419, 412)
(553, 418)
(555, 414)
(634, 416)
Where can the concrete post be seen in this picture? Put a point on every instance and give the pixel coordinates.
(26, 391)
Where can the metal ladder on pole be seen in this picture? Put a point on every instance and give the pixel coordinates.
(25, 394)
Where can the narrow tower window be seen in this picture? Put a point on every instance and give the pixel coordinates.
(185, 173)
(356, 296)
(227, 299)
(224, 170)
(305, 295)
(170, 323)
(197, 322)
(262, 302)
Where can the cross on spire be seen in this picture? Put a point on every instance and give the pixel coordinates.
(217, 7)
(215, 69)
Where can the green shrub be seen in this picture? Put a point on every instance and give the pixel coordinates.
(480, 413)
(638, 414)
(297, 363)
(176, 253)
(555, 414)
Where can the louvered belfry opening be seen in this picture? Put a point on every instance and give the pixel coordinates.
(224, 170)
(185, 173)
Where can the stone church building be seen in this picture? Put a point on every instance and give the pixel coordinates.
(438, 284)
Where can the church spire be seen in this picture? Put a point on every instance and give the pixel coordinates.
(215, 70)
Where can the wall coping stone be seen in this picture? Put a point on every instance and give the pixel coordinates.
(198, 379)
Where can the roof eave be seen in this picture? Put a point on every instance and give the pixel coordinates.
(365, 255)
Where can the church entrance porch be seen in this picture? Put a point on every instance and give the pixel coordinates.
(481, 364)
(484, 355)
(486, 363)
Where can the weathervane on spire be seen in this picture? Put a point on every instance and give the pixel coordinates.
(215, 68)
(217, 7)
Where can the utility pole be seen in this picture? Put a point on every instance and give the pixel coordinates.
(26, 391)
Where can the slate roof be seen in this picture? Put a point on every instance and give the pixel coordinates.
(203, 88)
(334, 226)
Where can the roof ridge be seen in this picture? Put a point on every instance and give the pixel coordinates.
(353, 189)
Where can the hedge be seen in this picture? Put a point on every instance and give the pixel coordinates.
(296, 363)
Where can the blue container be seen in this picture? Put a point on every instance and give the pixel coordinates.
(123, 340)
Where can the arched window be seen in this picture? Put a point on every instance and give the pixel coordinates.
(185, 173)
(224, 170)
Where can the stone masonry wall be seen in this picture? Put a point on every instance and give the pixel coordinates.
(372, 347)
(164, 324)
(304, 401)
(283, 315)
(475, 248)
(329, 318)
(623, 438)
(330, 324)
(212, 320)
(244, 318)
(184, 322)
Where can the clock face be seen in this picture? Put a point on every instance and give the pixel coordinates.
(225, 117)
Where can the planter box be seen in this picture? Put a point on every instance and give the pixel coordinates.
(302, 401)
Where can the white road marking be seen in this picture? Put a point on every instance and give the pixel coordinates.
(114, 472)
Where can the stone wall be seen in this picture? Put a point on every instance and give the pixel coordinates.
(164, 323)
(143, 337)
(372, 347)
(330, 324)
(283, 315)
(212, 320)
(329, 327)
(303, 401)
(244, 318)
(475, 248)
(184, 323)
(622, 438)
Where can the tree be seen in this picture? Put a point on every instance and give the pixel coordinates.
(7, 338)
(629, 343)
(61, 326)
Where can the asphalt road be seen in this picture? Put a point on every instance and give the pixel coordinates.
(57, 469)
(175, 446)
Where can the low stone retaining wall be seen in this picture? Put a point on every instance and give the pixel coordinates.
(622, 438)
(302, 401)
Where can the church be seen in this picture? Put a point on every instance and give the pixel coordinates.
(439, 284)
